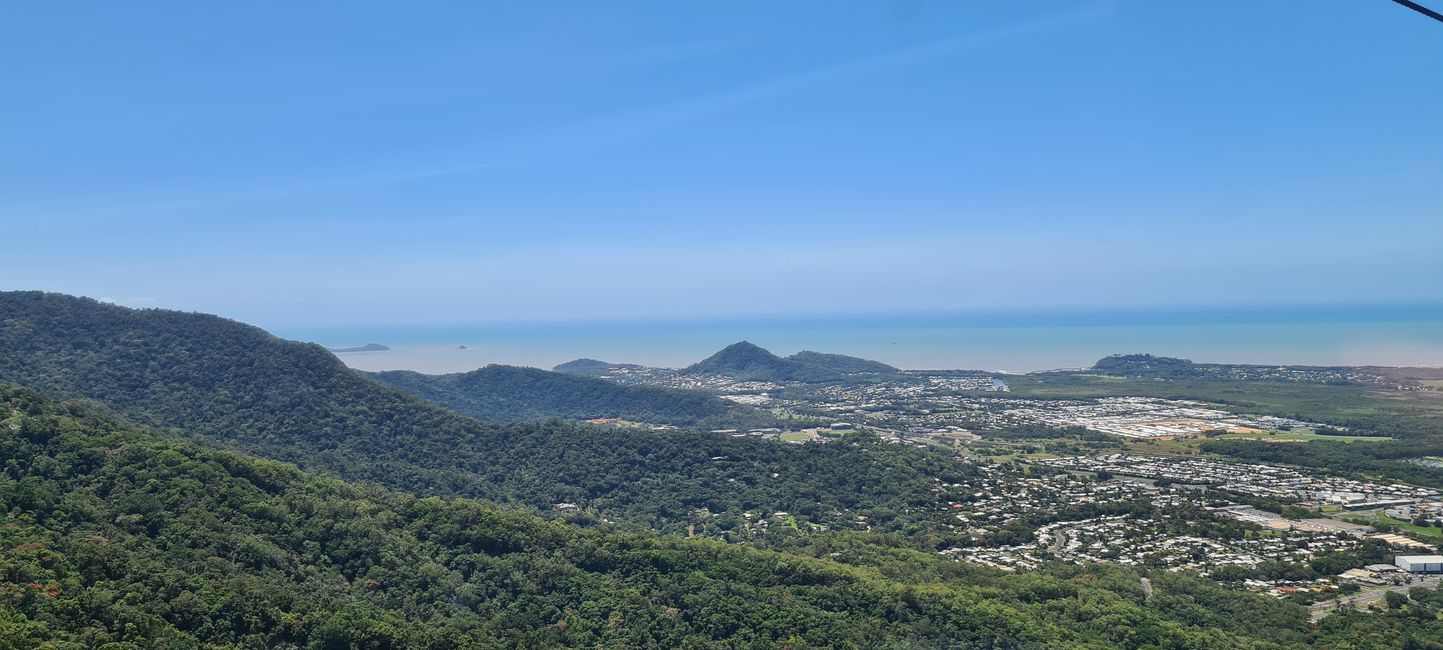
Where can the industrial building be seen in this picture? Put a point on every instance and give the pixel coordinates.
(1420, 563)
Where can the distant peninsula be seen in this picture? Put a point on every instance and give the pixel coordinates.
(369, 347)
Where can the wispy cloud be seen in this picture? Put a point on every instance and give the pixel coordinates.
(636, 125)
(579, 137)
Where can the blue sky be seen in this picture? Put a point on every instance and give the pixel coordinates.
(312, 164)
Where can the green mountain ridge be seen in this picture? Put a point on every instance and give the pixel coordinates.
(122, 540)
(841, 363)
(747, 361)
(513, 394)
(218, 381)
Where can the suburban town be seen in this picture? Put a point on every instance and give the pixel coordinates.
(920, 402)
(1281, 530)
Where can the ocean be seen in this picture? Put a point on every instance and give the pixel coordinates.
(1409, 335)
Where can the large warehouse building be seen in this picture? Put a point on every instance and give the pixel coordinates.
(1420, 563)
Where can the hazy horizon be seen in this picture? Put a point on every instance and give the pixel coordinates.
(996, 341)
(1354, 334)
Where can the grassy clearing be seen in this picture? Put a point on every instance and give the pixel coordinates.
(1177, 447)
(1426, 533)
(1298, 435)
(1191, 446)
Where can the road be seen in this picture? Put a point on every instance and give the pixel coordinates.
(1371, 595)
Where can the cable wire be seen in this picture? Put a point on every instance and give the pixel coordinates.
(1421, 9)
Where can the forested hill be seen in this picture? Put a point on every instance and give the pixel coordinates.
(512, 394)
(745, 360)
(590, 367)
(1145, 365)
(219, 380)
(122, 540)
(1170, 368)
(841, 363)
(223, 380)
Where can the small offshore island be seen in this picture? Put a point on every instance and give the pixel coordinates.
(369, 347)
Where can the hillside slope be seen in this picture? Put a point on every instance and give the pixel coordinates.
(217, 380)
(1145, 365)
(748, 361)
(512, 394)
(590, 367)
(222, 380)
(119, 537)
(745, 360)
(841, 363)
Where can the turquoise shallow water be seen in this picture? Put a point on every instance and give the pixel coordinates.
(1352, 335)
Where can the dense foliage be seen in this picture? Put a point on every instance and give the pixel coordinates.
(1412, 622)
(116, 539)
(512, 394)
(841, 363)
